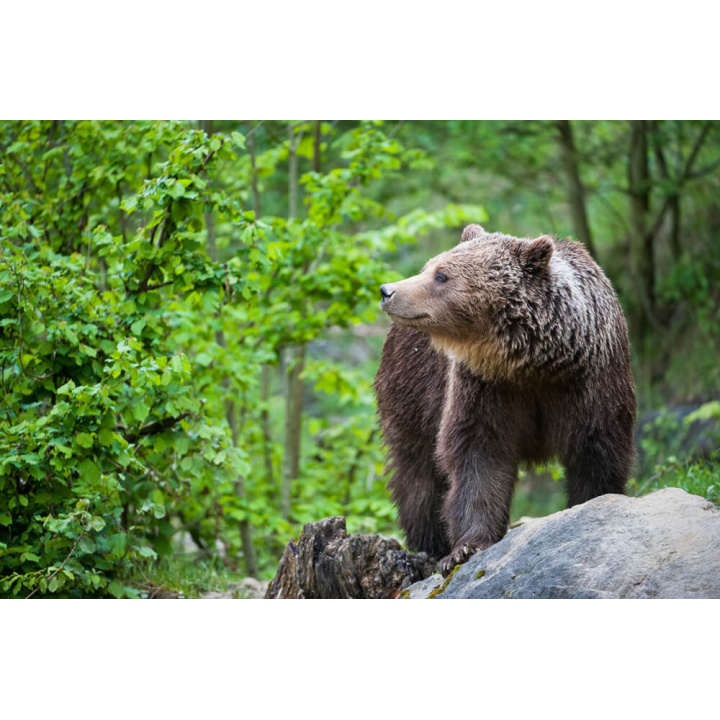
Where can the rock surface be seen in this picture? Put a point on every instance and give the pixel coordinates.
(662, 545)
(326, 562)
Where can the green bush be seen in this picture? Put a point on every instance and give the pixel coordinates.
(140, 305)
(697, 477)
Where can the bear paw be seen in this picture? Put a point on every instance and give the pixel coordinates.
(457, 557)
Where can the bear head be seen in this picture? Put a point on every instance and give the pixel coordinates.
(462, 295)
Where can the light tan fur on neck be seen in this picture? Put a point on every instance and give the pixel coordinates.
(481, 357)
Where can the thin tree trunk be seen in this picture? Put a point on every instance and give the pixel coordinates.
(295, 363)
(642, 258)
(674, 233)
(293, 172)
(316, 152)
(246, 539)
(673, 200)
(265, 388)
(293, 427)
(265, 384)
(576, 191)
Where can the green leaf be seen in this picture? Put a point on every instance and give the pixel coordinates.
(129, 204)
(116, 589)
(117, 544)
(176, 363)
(89, 471)
(96, 523)
(86, 544)
(157, 509)
(66, 389)
(64, 449)
(84, 440)
(141, 411)
(176, 191)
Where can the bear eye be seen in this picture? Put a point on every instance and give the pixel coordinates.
(441, 277)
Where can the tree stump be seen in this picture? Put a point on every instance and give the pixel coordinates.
(326, 562)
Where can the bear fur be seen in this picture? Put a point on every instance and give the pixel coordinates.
(502, 351)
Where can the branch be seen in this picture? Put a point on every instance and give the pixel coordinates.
(61, 566)
(158, 285)
(143, 286)
(696, 149)
(156, 427)
(704, 171)
(396, 129)
(682, 179)
(659, 155)
(254, 130)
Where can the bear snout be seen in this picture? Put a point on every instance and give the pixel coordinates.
(385, 293)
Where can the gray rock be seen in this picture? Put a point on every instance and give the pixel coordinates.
(420, 590)
(662, 545)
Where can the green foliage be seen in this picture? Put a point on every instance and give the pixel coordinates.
(131, 354)
(103, 434)
(669, 456)
(706, 411)
(697, 477)
(183, 577)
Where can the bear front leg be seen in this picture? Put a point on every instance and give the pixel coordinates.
(418, 491)
(477, 507)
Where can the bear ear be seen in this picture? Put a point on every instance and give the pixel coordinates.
(471, 232)
(535, 254)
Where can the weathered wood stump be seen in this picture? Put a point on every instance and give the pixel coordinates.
(326, 562)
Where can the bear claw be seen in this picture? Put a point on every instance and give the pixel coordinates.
(455, 558)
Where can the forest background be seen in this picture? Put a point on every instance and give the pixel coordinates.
(190, 327)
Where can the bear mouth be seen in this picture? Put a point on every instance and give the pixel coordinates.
(407, 317)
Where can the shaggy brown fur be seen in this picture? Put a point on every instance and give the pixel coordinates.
(502, 351)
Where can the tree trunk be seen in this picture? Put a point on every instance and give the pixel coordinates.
(293, 172)
(246, 539)
(576, 191)
(674, 232)
(265, 385)
(295, 363)
(328, 563)
(642, 257)
(293, 426)
(296, 356)
(673, 198)
(265, 422)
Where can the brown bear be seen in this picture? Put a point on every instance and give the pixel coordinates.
(502, 350)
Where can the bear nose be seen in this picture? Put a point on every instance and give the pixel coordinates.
(385, 293)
